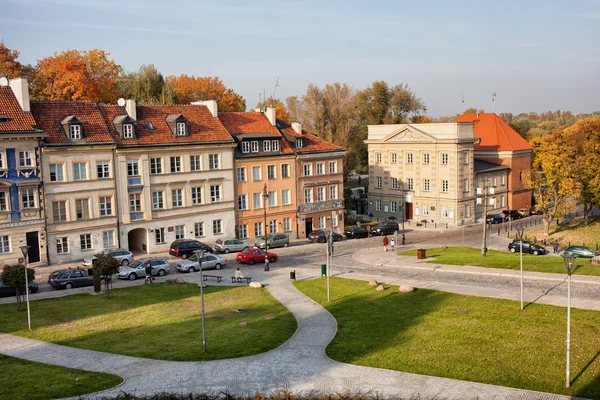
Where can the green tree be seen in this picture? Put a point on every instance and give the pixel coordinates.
(106, 266)
(145, 86)
(14, 276)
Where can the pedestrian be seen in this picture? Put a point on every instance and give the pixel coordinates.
(266, 261)
(555, 245)
(148, 273)
(385, 243)
(238, 274)
(393, 244)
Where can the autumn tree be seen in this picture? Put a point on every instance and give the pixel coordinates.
(281, 111)
(76, 75)
(380, 104)
(106, 266)
(188, 89)
(9, 66)
(14, 276)
(144, 86)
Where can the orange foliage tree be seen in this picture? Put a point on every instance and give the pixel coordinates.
(281, 112)
(9, 66)
(190, 88)
(77, 75)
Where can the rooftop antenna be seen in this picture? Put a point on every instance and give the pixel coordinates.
(274, 90)
(259, 99)
(463, 104)
(493, 99)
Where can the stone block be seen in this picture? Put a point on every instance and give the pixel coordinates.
(255, 284)
(405, 289)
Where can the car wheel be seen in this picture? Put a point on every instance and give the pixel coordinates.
(191, 269)
(125, 262)
(251, 262)
(161, 272)
(184, 256)
(536, 253)
(132, 277)
(226, 251)
(286, 244)
(272, 259)
(69, 286)
(513, 249)
(217, 266)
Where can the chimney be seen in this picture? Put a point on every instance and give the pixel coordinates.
(210, 104)
(130, 108)
(20, 88)
(270, 113)
(297, 127)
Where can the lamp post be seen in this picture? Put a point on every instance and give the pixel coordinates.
(265, 196)
(485, 190)
(25, 250)
(403, 211)
(520, 236)
(569, 262)
(199, 255)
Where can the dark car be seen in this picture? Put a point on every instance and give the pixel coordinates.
(528, 247)
(385, 228)
(186, 247)
(70, 278)
(7, 291)
(356, 232)
(494, 219)
(320, 236)
(581, 251)
(512, 214)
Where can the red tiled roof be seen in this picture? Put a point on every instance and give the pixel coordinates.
(238, 123)
(495, 134)
(201, 125)
(49, 114)
(17, 119)
(310, 142)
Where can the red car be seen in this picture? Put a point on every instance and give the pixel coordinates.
(251, 255)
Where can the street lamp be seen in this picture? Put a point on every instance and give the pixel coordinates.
(403, 212)
(199, 255)
(569, 262)
(25, 250)
(265, 196)
(485, 190)
(520, 236)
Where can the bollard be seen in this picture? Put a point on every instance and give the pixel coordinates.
(293, 275)
(498, 231)
(446, 225)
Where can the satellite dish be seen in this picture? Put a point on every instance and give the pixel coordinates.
(3, 81)
(121, 102)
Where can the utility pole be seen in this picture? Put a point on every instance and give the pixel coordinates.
(485, 190)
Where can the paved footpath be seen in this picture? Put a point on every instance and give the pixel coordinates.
(299, 365)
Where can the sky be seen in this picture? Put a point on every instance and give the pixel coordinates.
(536, 55)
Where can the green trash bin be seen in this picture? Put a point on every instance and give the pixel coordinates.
(323, 270)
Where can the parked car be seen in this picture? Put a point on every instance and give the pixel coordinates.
(385, 228)
(70, 278)
(209, 261)
(356, 232)
(7, 291)
(581, 251)
(524, 212)
(528, 247)
(494, 219)
(320, 236)
(228, 245)
(512, 214)
(253, 255)
(186, 247)
(125, 257)
(275, 240)
(137, 269)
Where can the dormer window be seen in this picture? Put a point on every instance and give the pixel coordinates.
(72, 127)
(181, 129)
(266, 145)
(124, 124)
(3, 118)
(299, 143)
(127, 131)
(74, 132)
(245, 147)
(254, 145)
(177, 124)
(275, 145)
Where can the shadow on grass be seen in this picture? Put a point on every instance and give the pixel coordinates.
(592, 360)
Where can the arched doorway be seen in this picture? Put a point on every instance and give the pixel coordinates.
(137, 240)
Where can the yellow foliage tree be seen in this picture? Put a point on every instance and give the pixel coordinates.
(190, 88)
(9, 66)
(281, 112)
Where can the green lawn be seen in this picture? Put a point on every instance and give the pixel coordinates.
(31, 381)
(574, 232)
(159, 321)
(461, 337)
(505, 260)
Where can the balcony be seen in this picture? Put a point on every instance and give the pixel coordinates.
(320, 206)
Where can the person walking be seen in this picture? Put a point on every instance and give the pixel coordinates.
(148, 273)
(393, 244)
(385, 243)
(555, 246)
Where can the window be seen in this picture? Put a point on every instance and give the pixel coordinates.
(196, 195)
(28, 197)
(62, 245)
(273, 226)
(426, 185)
(159, 234)
(275, 145)
(285, 197)
(410, 183)
(377, 205)
(308, 195)
(502, 180)
(254, 146)
(287, 224)
(156, 165)
(157, 200)
(3, 201)
(379, 184)
(394, 183)
(245, 147)
(1, 161)
(103, 169)
(377, 158)
(425, 209)
(132, 168)
(241, 174)
(243, 231)
(444, 213)
(272, 199)
(256, 174)
(127, 131)
(322, 222)
(242, 202)
(108, 239)
(135, 202)
(180, 130)
(195, 163)
(85, 241)
(175, 164)
(444, 186)
(425, 158)
(213, 161)
(394, 206)
(258, 231)
(465, 157)
(307, 169)
(465, 185)
(215, 193)
(75, 132)
(25, 158)
(271, 172)
(299, 143)
(266, 145)
(444, 159)
(105, 206)
(393, 158)
(494, 181)
(82, 209)
(332, 192)
(59, 211)
(285, 170)
(179, 232)
(199, 229)
(321, 194)
(79, 171)
(56, 173)
(334, 219)
(177, 197)
(502, 201)
(333, 167)
(409, 158)
(320, 168)
(256, 200)
(467, 211)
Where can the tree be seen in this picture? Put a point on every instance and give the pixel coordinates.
(144, 86)
(106, 266)
(14, 276)
(280, 111)
(76, 75)
(9, 66)
(190, 88)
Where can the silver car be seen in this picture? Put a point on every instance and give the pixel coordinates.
(228, 245)
(125, 257)
(137, 269)
(209, 261)
(274, 240)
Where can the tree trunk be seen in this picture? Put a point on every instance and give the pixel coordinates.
(546, 226)
(19, 299)
(586, 210)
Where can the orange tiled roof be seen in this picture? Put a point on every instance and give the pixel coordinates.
(49, 114)
(238, 123)
(495, 134)
(201, 125)
(310, 142)
(18, 121)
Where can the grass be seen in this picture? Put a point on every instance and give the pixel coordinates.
(505, 260)
(159, 321)
(31, 381)
(574, 232)
(461, 337)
